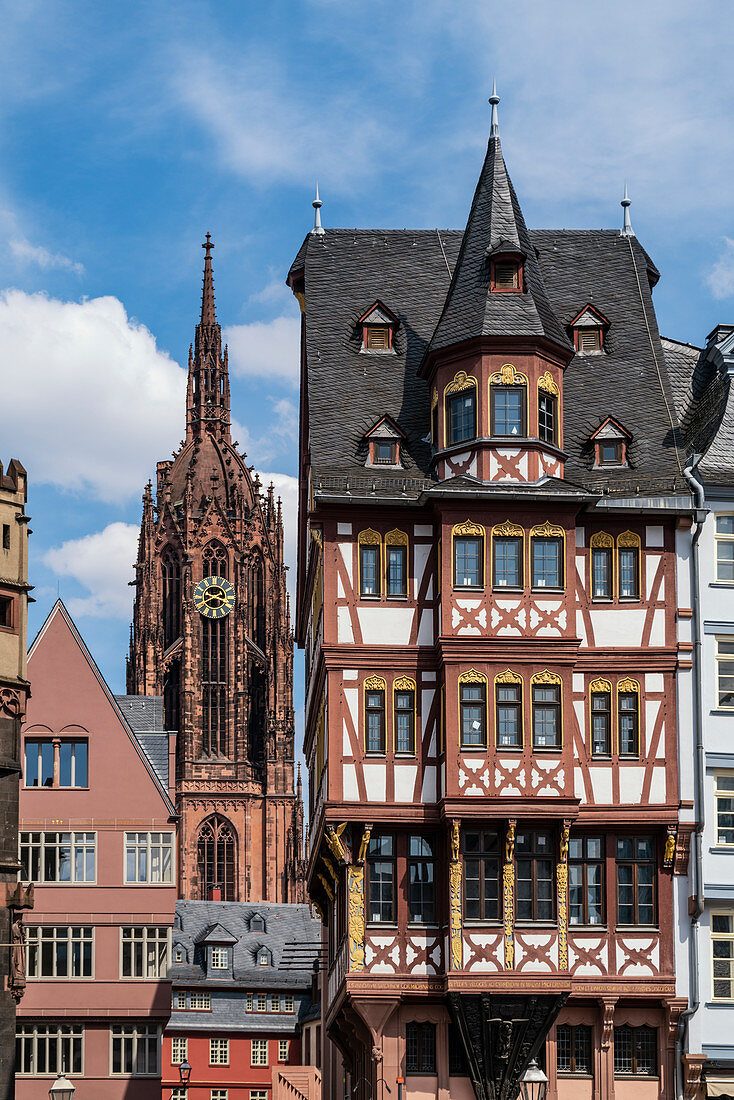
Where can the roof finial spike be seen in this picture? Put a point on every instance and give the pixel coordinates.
(494, 129)
(626, 230)
(318, 230)
(208, 312)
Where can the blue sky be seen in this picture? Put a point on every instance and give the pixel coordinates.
(128, 131)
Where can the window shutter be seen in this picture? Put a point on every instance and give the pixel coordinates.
(377, 337)
(506, 276)
(589, 339)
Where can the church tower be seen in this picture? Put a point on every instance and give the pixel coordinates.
(212, 634)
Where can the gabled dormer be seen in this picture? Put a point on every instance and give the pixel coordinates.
(611, 444)
(378, 327)
(216, 950)
(589, 329)
(506, 267)
(384, 441)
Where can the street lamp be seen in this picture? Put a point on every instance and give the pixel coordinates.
(62, 1089)
(533, 1082)
(184, 1072)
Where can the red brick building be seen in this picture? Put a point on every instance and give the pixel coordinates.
(212, 635)
(490, 488)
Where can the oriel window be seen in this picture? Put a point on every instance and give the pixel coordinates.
(507, 562)
(601, 723)
(547, 562)
(468, 561)
(508, 701)
(508, 410)
(636, 873)
(586, 880)
(462, 409)
(547, 417)
(381, 880)
(481, 874)
(397, 570)
(546, 716)
(534, 866)
(369, 569)
(405, 721)
(601, 571)
(421, 880)
(473, 707)
(629, 723)
(375, 720)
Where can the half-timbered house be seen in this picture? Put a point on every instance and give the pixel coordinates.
(490, 487)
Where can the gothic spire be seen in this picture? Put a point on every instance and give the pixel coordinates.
(207, 394)
(496, 231)
(208, 311)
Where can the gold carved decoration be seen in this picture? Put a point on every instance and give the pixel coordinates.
(506, 530)
(369, 537)
(316, 537)
(455, 914)
(628, 684)
(333, 839)
(510, 842)
(600, 685)
(355, 916)
(669, 852)
(468, 527)
(461, 381)
(326, 884)
(454, 840)
(562, 891)
(434, 398)
(317, 909)
(629, 538)
(600, 539)
(548, 530)
(508, 893)
(404, 683)
(508, 376)
(472, 677)
(507, 677)
(396, 538)
(546, 677)
(330, 868)
(366, 834)
(375, 683)
(546, 382)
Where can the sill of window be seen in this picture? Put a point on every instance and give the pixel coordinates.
(370, 599)
(538, 590)
(541, 925)
(722, 710)
(468, 588)
(547, 749)
(719, 1004)
(508, 748)
(382, 924)
(577, 1076)
(722, 848)
(514, 588)
(721, 584)
(473, 748)
(643, 929)
(400, 599)
(376, 755)
(405, 756)
(602, 599)
(629, 599)
(602, 928)
(56, 789)
(420, 924)
(634, 1076)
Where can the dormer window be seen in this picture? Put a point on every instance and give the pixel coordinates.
(384, 440)
(378, 328)
(506, 273)
(180, 955)
(263, 957)
(589, 328)
(219, 958)
(257, 923)
(610, 441)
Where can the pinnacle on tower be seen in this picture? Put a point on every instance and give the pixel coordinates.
(318, 230)
(494, 128)
(626, 230)
(208, 311)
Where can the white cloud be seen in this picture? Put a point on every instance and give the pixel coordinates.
(103, 564)
(266, 349)
(721, 277)
(28, 253)
(95, 402)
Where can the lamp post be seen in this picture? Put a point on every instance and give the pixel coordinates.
(184, 1073)
(62, 1089)
(533, 1083)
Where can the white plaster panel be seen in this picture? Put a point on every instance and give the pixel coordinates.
(349, 783)
(425, 628)
(375, 780)
(428, 790)
(654, 681)
(652, 561)
(581, 570)
(422, 530)
(580, 537)
(346, 743)
(618, 627)
(652, 709)
(345, 549)
(601, 784)
(350, 674)
(578, 785)
(657, 786)
(682, 556)
(385, 625)
(657, 634)
(578, 682)
(429, 676)
(580, 712)
(685, 630)
(404, 781)
(427, 695)
(340, 593)
(344, 630)
(654, 536)
(343, 528)
(351, 698)
(581, 629)
(421, 552)
(631, 779)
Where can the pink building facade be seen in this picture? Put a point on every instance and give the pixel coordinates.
(98, 839)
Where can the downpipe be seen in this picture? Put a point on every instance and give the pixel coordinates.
(700, 514)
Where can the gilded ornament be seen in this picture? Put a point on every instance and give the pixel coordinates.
(508, 677)
(316, 537)
(565, 832)
(326, 885)
(628, 684)
(455, 840)
(510, 842)
(629, 538)
(548, 530)
(461, 381)
(434, 398)
(562, 887)
(355, 916)
(455, 914)
(404, 683)
(330, 868)
(669, 853)
(508, 376)
(508, 890)
(547, 382)
(366, 834)
(507, 530)
(396, 538)
(546, 677)
(468, 527)
(368, 537)
(333, 839)
(375, 683)
(472, 677)
(600, 685)
(600, 539)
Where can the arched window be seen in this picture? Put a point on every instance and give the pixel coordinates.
(214, 664)
(215, 560)
(257, 602)
(216, 858)
(172, 696)
(171, 578)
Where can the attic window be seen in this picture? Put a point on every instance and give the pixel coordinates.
(611, 442)
(378, 328)
(506, 275)
(376, 337)
(257, 924)
(385, 453)
(180, 955)
(589, 328)
(263, 957)
(611, 454)
(383, 443)
(589, 339)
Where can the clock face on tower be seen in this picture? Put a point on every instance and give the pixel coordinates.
(214, 597)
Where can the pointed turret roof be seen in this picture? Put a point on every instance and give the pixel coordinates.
(495, 226)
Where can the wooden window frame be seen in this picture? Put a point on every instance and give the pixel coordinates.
(509, 679)
(723, 793)
(601, 543)
(424, 1065)
(473, 679)
(369, 539)
(517, 263)
(500, 387)
(627, 688)
(597, 688)
(459, 395)
(585, 861)
(483, 859)
(375, 685)
(636, 862)
(573, 1043)
(420, 860)
(533, 858)
(397, 540)
(546, 679)
(722, 539)
(629, 542)
(719, 936)
(372, 859)
(635, 1033)
(722, 659)
(469, 530)
(404, 686)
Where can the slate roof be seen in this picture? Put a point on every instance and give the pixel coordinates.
(495, 225)
(345, 270)
(144, 716)
(291, 934)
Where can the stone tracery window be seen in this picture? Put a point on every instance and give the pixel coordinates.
(216, 858)
(171, 578)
